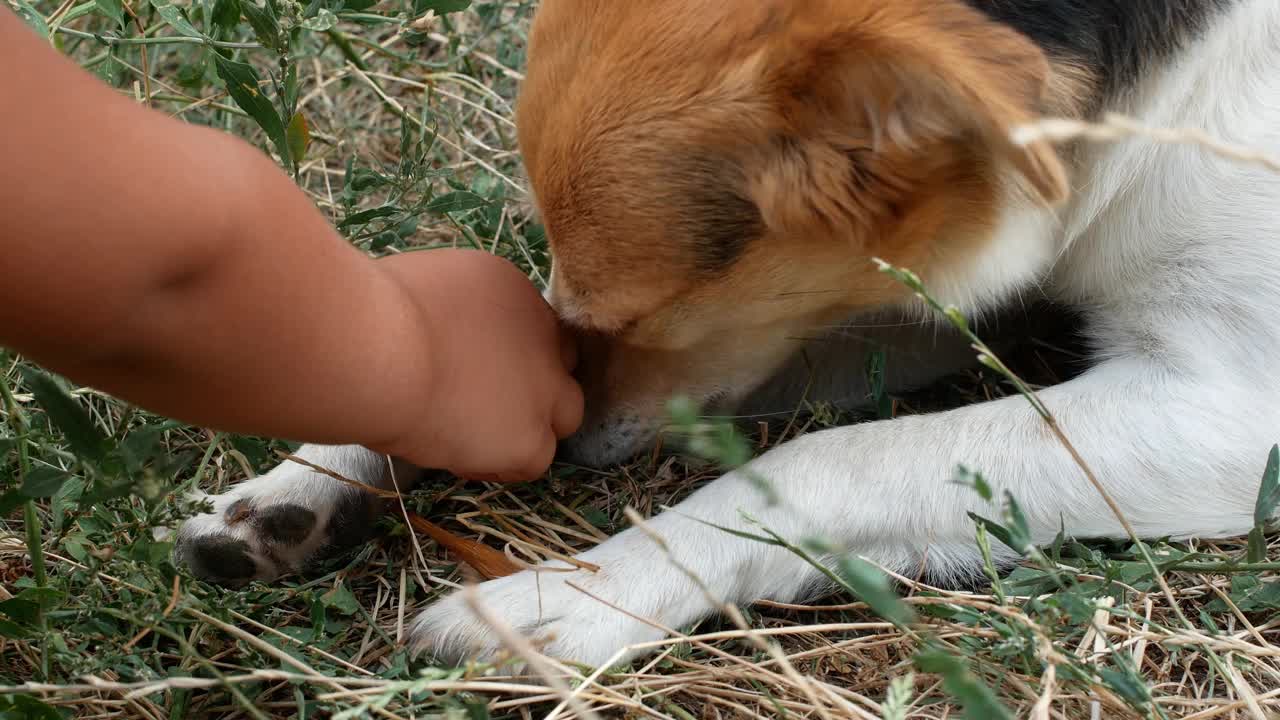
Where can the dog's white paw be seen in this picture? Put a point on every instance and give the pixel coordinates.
(635, 582)
(281, 521)
(543, 607)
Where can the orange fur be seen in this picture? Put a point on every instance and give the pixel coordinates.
(715, 175)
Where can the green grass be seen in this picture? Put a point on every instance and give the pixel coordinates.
(408, 142)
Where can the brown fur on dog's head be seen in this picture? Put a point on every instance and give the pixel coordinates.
(716, 175)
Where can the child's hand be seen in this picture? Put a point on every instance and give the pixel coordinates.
(502, 391)
(264, 321)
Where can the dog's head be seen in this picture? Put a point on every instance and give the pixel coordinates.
(715, 177)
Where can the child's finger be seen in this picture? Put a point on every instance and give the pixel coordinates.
(566, 415)
(508, 478)
(537, 465)
(527, 470)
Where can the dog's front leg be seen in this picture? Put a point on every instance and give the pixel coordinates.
(291, 516)
(1175, 464)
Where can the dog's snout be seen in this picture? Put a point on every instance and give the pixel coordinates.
(609, 441)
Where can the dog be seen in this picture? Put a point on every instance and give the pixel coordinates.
(716, 178)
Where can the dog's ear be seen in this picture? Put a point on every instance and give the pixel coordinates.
(858, 85)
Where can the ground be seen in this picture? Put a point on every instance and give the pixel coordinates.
(399, 127)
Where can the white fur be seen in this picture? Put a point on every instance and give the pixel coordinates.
(1175, 257)
(288, 483)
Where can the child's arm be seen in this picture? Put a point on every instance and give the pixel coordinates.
(178, 268)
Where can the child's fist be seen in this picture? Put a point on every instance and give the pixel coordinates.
(502, 390)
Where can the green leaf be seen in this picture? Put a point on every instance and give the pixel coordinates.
(897, 701)
(291, 93)
(1016, 522)
(872, 586)
(596, 517)
(383, 241)
(31, 17)
(11, 500)
(978, 701)
(265, 27)
(75, 548)
(408, 227)
(1251, 594)
(1136, 574)
(683, 411)
(1207, 620)
(10, 629)
(988, 562)
(173, 15)
(254, 449)
(243, 86)
(969, 478)
(341, 599)
(78, 11)
(43, 482)
(1265, 507)
(1080, 602)
(226, 14)
(192, 75)
(365, 216)
(999, 531)
(1269, 493)
(1126, 686)
(775, 540)
(877, 389)
(112, 9)
(477, 710)
(359, 180)
(64, 413)
(324, 20)
(407, 135)
(21, 611)
(457, 201)
(45, 597)
(1257, 545)
(109, 71)
(1028, 581)
(299, 137)
(440, 6)
(28, 708)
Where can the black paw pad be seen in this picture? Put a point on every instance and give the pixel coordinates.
(237, 512)
(284, 524)
(352, 521)
(221, 560)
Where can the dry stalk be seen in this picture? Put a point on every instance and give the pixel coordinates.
(806, 685)
(527, 652)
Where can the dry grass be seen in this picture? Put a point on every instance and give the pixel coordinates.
(130, 638)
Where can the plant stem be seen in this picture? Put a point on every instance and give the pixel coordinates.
(1223, 567)
(30, 518)
(988, 357)
(35, 545)
(167, 40)
(343, 43)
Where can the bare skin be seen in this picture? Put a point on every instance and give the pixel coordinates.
(176, 267)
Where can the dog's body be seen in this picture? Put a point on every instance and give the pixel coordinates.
(716, 176)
